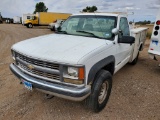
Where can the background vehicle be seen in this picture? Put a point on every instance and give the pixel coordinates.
(51, 26)
(16, 19)
(78, 63)
(154, 48)
(8, 21)
(44, 18)
(26, 17)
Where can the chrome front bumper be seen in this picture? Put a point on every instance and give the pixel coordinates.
(75, 93)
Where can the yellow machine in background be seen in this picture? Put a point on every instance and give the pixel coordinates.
(44, 18)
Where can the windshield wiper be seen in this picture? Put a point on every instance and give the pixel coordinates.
(61, 32)
(82, 31)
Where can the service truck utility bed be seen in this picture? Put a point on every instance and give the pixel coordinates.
(140, 37)
(154, 48)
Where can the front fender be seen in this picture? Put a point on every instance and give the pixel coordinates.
(100, 65)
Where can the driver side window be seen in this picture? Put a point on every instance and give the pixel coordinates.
(124, 27)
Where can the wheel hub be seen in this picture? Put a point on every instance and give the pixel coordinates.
(103, 92)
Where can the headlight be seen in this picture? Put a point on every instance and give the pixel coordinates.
(72, 71)
(74, 75)
(13, 55)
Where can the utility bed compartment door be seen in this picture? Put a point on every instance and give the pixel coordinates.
(140, 38)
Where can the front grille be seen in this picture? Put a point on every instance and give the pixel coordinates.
(23, 62)
(37, 62)
(40, 73)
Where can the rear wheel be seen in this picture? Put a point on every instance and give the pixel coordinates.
(101, 90)
(135, 60)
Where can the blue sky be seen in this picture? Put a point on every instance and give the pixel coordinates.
(143, 10)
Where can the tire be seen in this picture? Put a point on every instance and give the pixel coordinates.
(135, 60)
(30, 25)
(101, 90)
(53, 29)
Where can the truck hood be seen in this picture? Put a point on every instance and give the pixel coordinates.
(59, 47)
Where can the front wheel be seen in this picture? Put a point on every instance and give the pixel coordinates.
(53, 29)
(30, 25)
(101, 90)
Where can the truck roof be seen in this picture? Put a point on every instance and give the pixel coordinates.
(104, 13)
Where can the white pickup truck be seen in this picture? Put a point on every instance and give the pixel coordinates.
(78, 61)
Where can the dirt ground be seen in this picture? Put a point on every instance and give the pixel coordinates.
(135, 93)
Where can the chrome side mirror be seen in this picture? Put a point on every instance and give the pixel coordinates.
(57, 26)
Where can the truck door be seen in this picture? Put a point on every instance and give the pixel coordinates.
(123, 50)
(34, 20)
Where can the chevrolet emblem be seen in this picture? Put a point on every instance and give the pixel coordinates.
(30, 66)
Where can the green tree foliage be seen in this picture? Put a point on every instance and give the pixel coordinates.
(143, 22)
(90, 9)
(40, 7)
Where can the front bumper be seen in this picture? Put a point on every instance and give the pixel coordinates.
(25, 24)
(70, 92)
(50, 27)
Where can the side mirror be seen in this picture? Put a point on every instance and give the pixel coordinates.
(57, 27)
(115, 31)
(126, 39)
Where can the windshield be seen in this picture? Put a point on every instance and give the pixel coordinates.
(90, 26)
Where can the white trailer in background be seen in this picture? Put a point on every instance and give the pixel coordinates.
(154, 48)
(26, 16)
(16, 19)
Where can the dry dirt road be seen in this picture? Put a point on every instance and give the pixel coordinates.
(135, 93)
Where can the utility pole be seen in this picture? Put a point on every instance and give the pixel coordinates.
(0, 18)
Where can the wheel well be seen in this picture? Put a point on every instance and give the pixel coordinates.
(107, 63)
(109, 67)
(140, 48)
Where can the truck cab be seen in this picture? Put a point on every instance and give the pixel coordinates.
(79, 60)
(32, 21)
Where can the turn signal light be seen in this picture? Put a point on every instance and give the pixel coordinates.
(81, 73)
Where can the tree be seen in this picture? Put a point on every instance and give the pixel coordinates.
(90, 9)
(40, 7)
(144, 22)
